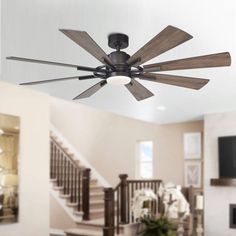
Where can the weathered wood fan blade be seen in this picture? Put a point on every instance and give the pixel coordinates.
(87, 93)
(59, 79)
(138, 90)
(83, 68)
(169, 38)
(181, 81)
(213, 60)
(84, 40)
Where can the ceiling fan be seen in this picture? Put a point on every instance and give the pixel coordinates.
(120, 68)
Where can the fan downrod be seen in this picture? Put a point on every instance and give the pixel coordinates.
(118, 41)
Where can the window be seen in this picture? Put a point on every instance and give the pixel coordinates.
(144, 167)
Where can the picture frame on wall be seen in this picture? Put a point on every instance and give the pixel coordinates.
(192, 146)
(192, 174)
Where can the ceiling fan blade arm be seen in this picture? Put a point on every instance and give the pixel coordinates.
(82, 68)
(180, 81)
(49, 80)
(138, 90)
(206, 61)
(40, 61)
(87, 77)
(90, 91)
(167, 39)
(89, 69)
(84, 40)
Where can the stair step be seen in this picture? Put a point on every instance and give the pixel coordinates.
(64, 196)
(53, 180)
(93, 204)
(58, 187)
(72, 204)
(94, 197)
(96, 189)
(82, 232)
(94, 213)
(96, 204)
(90, 225)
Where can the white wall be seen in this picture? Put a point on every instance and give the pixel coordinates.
(33, 110)
(108, 141)
(217, 199)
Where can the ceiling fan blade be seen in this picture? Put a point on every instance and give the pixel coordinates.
(59, 79)
(167, 39)
(83, 68)
(84, 40)
(181, 81)
(138, 90)
(87, 93)
(213, 60)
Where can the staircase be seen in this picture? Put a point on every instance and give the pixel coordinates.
(81, 194)
(95, 208)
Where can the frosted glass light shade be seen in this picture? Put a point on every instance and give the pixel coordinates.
(118, 80)
(1, 132)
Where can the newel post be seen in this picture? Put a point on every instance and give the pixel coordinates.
(123, 199)
(85, 193)
(109, 220)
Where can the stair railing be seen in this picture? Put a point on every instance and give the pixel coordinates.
(74, 180)
(117, 202)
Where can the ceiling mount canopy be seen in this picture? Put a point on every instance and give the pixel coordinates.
(119, 68)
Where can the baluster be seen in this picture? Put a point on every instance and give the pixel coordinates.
(76, 184)
(109, 222)
(55, 161)
(58, 167)
(61, 168)
(69, 179)
(79, 191)
(132, 184)
(51, 159)
(123, 198)
(65, 174)
(154, 203)
(118, 211)
(128, 193)
(86, 194)
(72, 183)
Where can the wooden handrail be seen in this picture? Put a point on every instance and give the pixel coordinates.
(69, 175)
(62, 150)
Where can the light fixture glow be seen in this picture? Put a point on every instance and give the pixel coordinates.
(1, 151)
(1, 132)
(118, 80)
(161, 108)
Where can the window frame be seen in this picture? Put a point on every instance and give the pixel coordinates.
(139, 162)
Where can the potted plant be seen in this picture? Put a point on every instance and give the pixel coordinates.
(157, 227)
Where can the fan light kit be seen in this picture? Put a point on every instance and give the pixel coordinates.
(119, 68)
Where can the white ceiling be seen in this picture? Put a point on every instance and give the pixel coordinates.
(30, 29)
